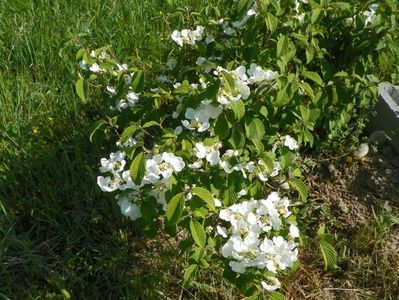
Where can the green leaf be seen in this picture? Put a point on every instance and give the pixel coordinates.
(315, 14)
(96, 126)
(300, 186)
(128, 132)
(82, 88)
(137, 168)
(237, 139)
(238, 108)
(313, 76)
(341, 5)
(282, 45)
(271, 22)
(329, 255)
(229, 83)
(205, 195)
(286, 158)
(175, 208)
(189, 274)
(307, 88)
(254, 129)
(138, 81)
(198, 233)
(276, 295)
(150, 124)
(222, 127)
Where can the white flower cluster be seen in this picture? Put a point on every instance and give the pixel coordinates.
(159, 169)
(129, 206)
(290, 142)
(129, 100)
(298, 16)
(253, 239)
(198, 119)
(243, 78)
(120, 179)
(370, 14)
(187, 36)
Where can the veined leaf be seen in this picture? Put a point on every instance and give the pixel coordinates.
(254, 129)
(138, 81)
(198, 233)
(150, 124)
(97, 125)
(238, 108)
(313, 76)
(271, 22)
(128, 132)
(286, 158)
(82, 88)
(137, 168)
(230, 83)
(175, 208)
(276, 295)
(300, 186)
(205, 195)
(189, 274)
(329, 255)
(282, 45)
(222, 127)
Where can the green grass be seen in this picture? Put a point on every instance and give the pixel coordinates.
(59, 234)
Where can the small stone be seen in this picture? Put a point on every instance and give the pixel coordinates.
(361, 151)
(331, 168)
(285, 186)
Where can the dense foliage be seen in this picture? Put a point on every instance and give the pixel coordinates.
(212, 145)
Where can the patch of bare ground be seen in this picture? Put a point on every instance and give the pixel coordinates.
(349, 195)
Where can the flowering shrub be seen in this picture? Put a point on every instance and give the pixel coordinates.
(211, 146)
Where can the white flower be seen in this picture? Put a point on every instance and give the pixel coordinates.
(229, 31)
(164, 165)
(221, 231)
(83, 64)
(178, 130)
(130, 142)
(176, 36)
(275, 284)
(257, 74)
(95, 68)
(211, 154)
(196, 165)
(187, 36)
(170, 63)
(242, 193)
(107, 184)
(290, 142)
(370, 14)
(218, 203)
(129, 209)
(209, 39)
(132, 98)
(198, 119)
(114, 164)
(294, 231)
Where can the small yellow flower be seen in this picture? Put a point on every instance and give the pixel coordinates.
(50, 120)
(35, 130)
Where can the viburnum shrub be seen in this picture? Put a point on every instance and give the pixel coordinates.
(211, 146)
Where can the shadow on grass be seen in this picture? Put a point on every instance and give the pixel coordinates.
(59, 234)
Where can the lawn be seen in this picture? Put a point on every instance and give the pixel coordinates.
(58, 233)
(62, 238)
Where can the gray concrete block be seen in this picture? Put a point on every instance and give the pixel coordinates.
(386, 116)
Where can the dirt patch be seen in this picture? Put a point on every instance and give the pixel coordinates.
(354, 189)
